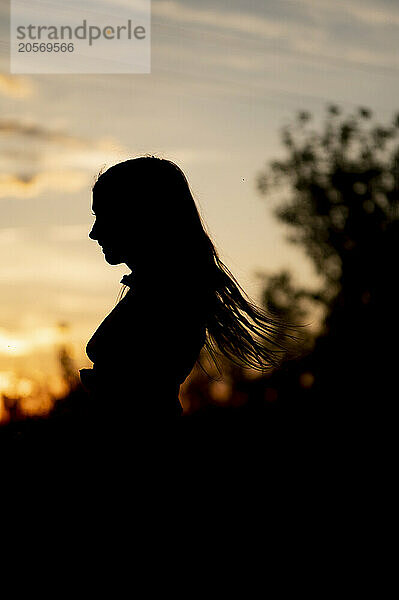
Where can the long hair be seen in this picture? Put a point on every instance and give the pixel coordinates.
(155, 192)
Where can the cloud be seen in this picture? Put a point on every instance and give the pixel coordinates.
(15, 87)
(313, 31)
(360, 10)
(260, 24)
(38, 132)
(18, 186)
(35, 159)
(252, 24)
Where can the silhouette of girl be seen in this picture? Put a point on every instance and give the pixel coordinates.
(181, 295)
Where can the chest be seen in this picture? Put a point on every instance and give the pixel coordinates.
(136, 329)
(113, 331)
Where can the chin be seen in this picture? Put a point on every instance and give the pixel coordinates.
(112, 259)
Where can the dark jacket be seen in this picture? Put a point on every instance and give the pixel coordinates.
(143, 351)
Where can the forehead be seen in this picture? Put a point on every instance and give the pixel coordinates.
(107, 206)
(99, 200)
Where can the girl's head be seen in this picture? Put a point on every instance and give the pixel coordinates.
(145, 212)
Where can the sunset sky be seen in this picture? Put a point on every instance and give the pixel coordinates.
(226, 76)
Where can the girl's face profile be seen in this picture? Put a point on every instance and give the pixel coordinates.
(130, 226)
(107, 231)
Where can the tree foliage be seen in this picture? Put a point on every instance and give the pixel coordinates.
(341, 180)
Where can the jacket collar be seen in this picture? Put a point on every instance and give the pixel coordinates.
(128, 279)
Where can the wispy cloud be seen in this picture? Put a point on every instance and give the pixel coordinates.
(32, 186)
(273, 24)
(35, 159)
(315, 28)
(230, 20)
(361, 10)
(37, 132)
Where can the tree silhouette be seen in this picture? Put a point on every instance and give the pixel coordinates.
(341, 179)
